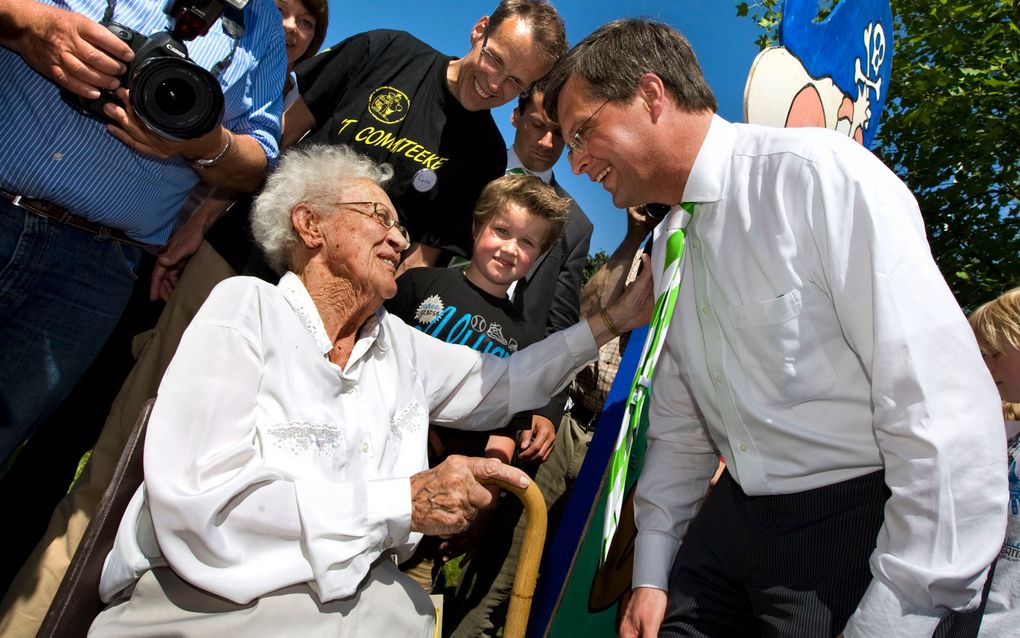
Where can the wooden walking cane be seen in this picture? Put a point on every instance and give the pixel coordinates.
(530, 556)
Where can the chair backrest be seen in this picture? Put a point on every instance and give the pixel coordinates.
(77, 602)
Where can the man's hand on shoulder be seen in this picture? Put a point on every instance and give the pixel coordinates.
(644, 614)
(73, 51)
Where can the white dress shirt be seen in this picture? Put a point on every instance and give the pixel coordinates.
(267, 465)
(815, 341)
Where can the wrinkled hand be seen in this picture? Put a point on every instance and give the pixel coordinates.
(132, 132)
(173, 257)
(446, 498)
(467, 541)
(634, 307)
(538, 442)
(645, 611)
(66, 47)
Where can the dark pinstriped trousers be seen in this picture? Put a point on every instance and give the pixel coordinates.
(788, 565)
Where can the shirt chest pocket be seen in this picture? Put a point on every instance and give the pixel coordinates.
(780, 350)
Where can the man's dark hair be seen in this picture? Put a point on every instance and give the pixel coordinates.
(524, 101)
(612, 59)
(547, 28)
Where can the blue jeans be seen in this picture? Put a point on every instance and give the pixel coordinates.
(62, 291)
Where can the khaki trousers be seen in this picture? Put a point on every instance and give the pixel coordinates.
(387, 604)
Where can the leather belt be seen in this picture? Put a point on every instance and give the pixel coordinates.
(60, 214)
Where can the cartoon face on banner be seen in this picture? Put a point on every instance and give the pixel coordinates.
(833, 73)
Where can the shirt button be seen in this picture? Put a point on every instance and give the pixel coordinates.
(743, 447)
(705, 309)
(717, 378)
(58, 156)
(364, 447)
(388, 542)
(696, 243)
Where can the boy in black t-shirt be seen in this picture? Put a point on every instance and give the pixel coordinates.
(516, 219)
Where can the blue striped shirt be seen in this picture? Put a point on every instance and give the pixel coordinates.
(50, 151)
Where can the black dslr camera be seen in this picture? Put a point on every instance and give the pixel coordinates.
(174, 97)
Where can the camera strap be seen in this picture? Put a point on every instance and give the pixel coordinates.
(232, 20)
(233, 25)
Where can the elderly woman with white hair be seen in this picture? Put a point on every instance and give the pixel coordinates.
(285, 460)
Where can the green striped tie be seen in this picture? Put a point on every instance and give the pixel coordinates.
(518, 170)
(640, 388)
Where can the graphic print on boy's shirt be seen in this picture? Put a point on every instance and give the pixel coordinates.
(442, 303)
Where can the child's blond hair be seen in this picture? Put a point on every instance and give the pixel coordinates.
(996, 325)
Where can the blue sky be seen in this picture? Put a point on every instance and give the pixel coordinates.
(723, 42)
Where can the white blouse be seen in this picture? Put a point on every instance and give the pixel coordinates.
(267, 465)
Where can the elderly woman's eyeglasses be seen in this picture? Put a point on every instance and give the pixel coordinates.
(382, 215)
(576, 143)
(496, 66)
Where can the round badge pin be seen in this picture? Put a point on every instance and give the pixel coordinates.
(424, 180)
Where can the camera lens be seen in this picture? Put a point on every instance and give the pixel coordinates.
(176, 98)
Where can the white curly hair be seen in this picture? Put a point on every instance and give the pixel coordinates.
(313, 175)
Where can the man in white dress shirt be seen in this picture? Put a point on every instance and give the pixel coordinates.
(814, 345)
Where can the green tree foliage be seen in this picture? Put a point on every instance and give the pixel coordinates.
(951, 131)
(593, 263)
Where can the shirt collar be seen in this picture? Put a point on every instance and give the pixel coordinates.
(294, 291)
(512, 161)
(710, 172)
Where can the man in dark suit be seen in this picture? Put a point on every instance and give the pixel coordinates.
(548, 296)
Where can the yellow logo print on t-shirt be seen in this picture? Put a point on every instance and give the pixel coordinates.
(388, 105)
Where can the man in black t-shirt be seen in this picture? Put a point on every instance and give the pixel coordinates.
(392, 97)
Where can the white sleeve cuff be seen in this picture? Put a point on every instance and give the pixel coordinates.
(389, 500)
(653, 557)
(881, 613)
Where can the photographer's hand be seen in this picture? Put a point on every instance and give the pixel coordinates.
(129, 129)
(73, 51)
(242, 167)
